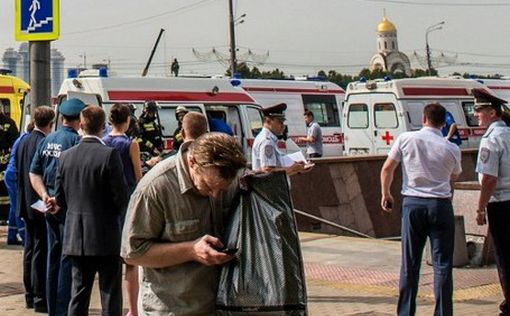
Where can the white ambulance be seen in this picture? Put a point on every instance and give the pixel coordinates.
(500, 87)
(376, 112)
(217, 98)
(323, 98)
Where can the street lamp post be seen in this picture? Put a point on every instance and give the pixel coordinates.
(432, 28)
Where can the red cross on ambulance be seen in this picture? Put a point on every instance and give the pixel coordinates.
(387, 137)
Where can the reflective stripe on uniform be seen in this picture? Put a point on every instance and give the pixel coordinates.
(149, 127)
(4, 200)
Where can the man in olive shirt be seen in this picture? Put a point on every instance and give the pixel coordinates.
(172, 224)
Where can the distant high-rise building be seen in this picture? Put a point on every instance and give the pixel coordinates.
(388, 57)
(11, 59)
(57, 70)
(19, 63)
(24, 63)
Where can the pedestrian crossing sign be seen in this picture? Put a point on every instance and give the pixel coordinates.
(36, 20)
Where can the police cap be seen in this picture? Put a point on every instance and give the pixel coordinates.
(71, 107)
(275, 111)
(484, 99)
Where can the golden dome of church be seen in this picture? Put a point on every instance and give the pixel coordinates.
(388, 58)
(386, 26)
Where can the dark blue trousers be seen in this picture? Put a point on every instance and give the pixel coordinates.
(16, 225)
(58, 274)
(422, 218)
(498, 214)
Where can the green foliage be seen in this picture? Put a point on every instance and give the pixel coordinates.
(254, 73)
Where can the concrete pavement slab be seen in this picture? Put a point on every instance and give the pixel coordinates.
(344, 276)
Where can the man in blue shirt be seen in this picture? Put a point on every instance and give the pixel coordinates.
(450, 130)
(42, 176)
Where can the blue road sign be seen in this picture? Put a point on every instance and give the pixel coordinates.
(37, 20)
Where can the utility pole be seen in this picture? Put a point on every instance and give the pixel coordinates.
(146, 69)
(40, 75)
(233, 59)
(427, 51)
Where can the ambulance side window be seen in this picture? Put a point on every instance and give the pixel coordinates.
(385, 115)
(255, 118)
(469, 112)
(358, 116)
(414, 113)
(227, 116)
(167, 118)
(324, 109)
(6, 106)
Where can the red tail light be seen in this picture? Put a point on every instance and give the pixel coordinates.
(250, 142)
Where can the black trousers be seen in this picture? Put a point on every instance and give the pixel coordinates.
(84, 269)
(34, 261)
(498, 214)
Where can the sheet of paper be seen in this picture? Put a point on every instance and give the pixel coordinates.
(39, 206)
(290, 159)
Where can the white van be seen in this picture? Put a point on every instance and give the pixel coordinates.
(323, 98)
(376, 112)
(500, 87)
(217, 98)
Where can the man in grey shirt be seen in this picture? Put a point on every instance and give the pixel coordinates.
(313, 137)
(172, 222)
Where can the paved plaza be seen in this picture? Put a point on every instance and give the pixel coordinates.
(345, 276)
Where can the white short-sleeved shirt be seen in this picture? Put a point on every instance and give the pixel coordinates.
(265, 151)
(494, 159)
(314, 130)
(428, 161)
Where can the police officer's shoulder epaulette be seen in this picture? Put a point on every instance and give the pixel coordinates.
(488, 132)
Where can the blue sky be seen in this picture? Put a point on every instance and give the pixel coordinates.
(301, 36)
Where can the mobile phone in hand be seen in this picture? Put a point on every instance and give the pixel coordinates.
(228, 251)
(388, 205)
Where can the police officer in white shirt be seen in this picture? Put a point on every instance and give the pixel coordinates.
(266, 157)
(493, 167)
(429, 162)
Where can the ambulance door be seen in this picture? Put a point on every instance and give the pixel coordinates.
(358, 139)
(385, 123)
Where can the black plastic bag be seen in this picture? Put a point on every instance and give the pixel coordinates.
(267, 276)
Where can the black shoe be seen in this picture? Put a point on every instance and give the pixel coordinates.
(14, 242)
(41, 309)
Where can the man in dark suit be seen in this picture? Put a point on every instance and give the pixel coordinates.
(34, 257)
(92, 190)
